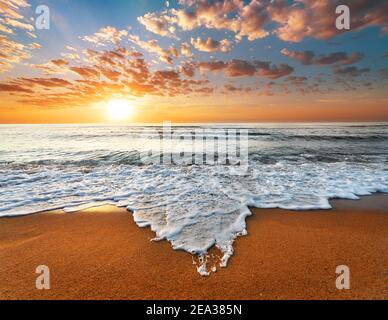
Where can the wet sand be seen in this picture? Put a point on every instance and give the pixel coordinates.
(101, 254)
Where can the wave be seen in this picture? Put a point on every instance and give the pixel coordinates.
(192, 206)
(100, 158)
(378, 138)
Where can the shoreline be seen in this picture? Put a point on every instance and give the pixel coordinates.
(100, 253)
(338, 201)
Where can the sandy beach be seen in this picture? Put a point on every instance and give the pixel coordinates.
(101, 254)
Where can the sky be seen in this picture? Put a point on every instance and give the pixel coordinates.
(193, 61)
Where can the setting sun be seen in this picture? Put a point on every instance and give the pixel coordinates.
(119, 109)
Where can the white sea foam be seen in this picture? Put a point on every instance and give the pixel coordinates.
(193, 207)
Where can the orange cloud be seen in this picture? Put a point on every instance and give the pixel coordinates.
(152, 46)
(104, 74)
(242, 68)
(316, 19)
(159, 23)
(188, 69)
(10, 8)
(106, 35)
(186, 50)
(295, 21)
(18, 24)
(86, 72)
(211, 45)
(13, 88)
(14, 51)
(309, 57)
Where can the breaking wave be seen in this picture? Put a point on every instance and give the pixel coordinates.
(194, 207)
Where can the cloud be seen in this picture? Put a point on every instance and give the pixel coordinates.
(86, 72)
(338, 57)
(14, 50)
(265, 69)
(211, 14)
(211, 45)
(310, 58)
(233, 15)
(6, 29)
(152, 46)
(188, 69)
(101, 74)
(43, 82)
(159, 23)
(56, 66)
(70, 56)
(10, 8)
(232, 89)
(106, 35)
(252, 20)
(34, 45)
(70, 48)
(316, 19)
(213, 66)
(4, 66)
(305, 57)
(167, 75)
(244, 20)
(243, 68)
(351, 71)
(296, 79)
(290, 20)
(60, 62)
(186, 50)
(109, 58)
(13, 88)
(18, 24)
(240, 68)
(112, 75)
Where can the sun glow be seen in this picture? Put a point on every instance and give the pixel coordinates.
(119, 109)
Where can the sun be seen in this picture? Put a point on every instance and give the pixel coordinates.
(119, 109)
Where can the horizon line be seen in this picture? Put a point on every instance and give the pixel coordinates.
(198, 123)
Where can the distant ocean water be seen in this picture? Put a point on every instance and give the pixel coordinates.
(299, 167)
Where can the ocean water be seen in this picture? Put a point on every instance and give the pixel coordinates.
(192, 205)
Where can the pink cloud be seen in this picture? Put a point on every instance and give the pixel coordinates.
(12, 21)
(316, 19)
(310, 58)
(211, 45)
(294, 21)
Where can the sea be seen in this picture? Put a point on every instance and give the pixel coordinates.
(193, 196)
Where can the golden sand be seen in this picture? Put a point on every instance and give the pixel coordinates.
(101, 254)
